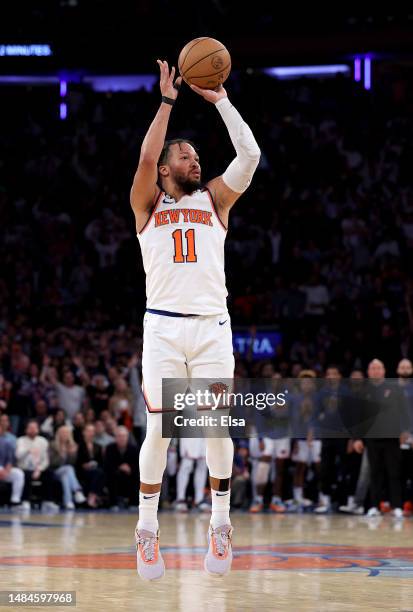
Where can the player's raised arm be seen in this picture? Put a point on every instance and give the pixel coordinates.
(144, 189)
(226, 189)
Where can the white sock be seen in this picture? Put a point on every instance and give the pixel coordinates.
(148, 511)
(298, 493)
(276, 499)
(220, 508)
(259, 499)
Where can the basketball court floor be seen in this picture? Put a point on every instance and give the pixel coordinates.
(290, 562)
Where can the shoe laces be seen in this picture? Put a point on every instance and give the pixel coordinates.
(222, 538)
(147, 541)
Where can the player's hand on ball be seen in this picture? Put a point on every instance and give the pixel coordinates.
(210, 95)
(168, 86)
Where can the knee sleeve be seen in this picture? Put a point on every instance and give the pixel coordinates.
(262, 473)
(219, 457)
(152, 458)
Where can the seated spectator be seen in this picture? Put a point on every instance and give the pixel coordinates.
(9, 473)
(78, 427)
(102, 438)
(32, 454)
(89, 466)
(41, 412)
(63, 452)
(111, 427)
(53, 423)
(121, 403)
(121, 469)
(90, 416)
(99, 392)
(6, 432)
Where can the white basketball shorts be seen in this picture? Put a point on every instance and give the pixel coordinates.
(184, 347)
(192, 448)
(307, 453)
(277, 448)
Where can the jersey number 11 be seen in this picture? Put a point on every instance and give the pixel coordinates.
(179, 256)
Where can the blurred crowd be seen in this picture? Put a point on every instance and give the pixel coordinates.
(320, 246)
(73, 441)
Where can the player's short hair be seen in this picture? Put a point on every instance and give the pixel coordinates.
(163, 158)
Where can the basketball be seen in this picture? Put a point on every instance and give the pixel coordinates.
(204, 62)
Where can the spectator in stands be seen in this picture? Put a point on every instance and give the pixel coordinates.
(63, 453)
(41, 412)
(121, 403)
(70, 396)
(99, 392)
(78, 427)
(89, 467)
(53, 423)
(8, 472)
(5, 431)
(120, 465)
(32, 454)
(102, 438)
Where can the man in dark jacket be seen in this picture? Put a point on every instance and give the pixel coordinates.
(385, 407)
(121, 469)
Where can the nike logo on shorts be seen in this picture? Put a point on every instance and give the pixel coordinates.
(222, 322)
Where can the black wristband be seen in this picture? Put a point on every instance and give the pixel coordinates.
(167, 100)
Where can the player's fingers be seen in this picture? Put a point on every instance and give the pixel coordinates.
(197, 89)
(178, 83)
(161, 69)
(172, 75)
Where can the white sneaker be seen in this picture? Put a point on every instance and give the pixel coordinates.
(322, 509)
(49, 506)
(347, 509)
(70, 506)
(219, 556)
(21, 507)
(373, 512)
(181, 506)
(203, 506)
(148, 556)
(79, 497)
(397, 513)
(358, 510)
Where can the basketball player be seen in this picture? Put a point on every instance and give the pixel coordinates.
(181, 227)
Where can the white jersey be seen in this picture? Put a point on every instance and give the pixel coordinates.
(182, 247)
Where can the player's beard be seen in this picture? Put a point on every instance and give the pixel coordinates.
(187, 184)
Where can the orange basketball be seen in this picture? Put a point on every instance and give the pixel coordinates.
(204, 62)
